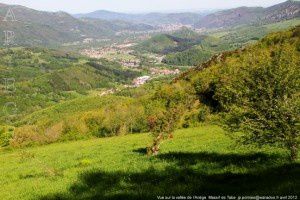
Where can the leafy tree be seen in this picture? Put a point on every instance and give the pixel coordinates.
(174, 101)
(263, 101)
(257, 89)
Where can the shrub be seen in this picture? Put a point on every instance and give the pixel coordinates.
(27, 135)
(6, 134)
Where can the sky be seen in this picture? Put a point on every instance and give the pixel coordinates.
(83, 6)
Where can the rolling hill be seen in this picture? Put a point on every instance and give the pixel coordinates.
(128, 111)
(220, 19)
(56, 28)
(189, 48)
(195, 161)
(227, 127)
(174, 42)
(45, 77)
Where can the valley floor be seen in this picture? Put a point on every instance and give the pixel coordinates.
(198, 161)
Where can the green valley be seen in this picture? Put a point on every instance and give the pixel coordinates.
(157, 105)
(44, 77)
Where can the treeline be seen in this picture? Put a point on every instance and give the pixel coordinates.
(113, 115)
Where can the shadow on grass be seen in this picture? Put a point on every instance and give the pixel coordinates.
(142, 151)
(192, 174)
(249, 161)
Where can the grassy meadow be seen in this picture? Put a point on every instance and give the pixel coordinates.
(197, 161)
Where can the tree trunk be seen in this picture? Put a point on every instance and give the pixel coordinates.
(294, 152)
(156, 143)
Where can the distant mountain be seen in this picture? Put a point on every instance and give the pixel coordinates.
(225, 18)
(118, 25)
(107, 15)
(150, 18)
(246, 15)
(54, 28)
(284, 11)
(232, 17)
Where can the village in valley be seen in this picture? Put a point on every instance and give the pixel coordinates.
(149, 64)
(123, 51)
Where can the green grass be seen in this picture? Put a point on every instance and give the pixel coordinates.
(197, 161)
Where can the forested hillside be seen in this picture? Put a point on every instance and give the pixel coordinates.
(176, 104)
(186, 47)
(208, 19)
(54, 29)
(251, 16)
(35, 78)
(40, 28)
(204, 93)
(251, 96)
(96, 109)
(169, 43)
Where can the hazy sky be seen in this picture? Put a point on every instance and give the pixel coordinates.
(81, 6)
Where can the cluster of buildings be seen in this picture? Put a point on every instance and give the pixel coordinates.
(164, 28)
(103, 52)
(86, 41)
(154, 72)
(123, 54)
(157, 71)
(173, 27)
(135, 63)
(107, 50)
(96, 53)
(141, 80)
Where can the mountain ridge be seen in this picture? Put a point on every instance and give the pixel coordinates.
(251, 15)
(149, 18)
(44, 28)
(33, 27)
(219, 19)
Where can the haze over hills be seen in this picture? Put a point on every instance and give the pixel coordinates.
(225, 18)
(54, 28)
(150, 18)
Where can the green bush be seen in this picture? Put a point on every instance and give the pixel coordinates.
(6, 135)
